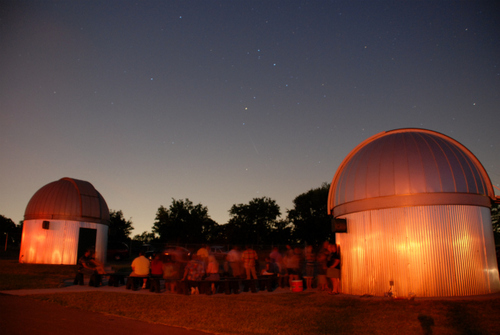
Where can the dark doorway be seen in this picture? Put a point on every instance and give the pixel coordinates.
(86, 240)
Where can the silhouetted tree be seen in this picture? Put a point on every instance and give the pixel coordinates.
(311, 222)
(10, 231)
(253, 222)
(119, 228)
(281, 233)
(184, 222)
(495, 221)
(145, 237)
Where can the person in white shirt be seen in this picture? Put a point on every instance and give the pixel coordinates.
(234, 259)
(140, 267)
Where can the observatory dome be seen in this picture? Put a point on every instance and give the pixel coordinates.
(408, 167)
(68, 199)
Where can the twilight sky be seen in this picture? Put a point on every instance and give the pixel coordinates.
(225, 101)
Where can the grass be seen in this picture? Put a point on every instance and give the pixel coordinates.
(15, 276)
(278, 313)
(294, 313)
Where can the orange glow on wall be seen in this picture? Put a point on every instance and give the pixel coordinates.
(56, 257)
(53, 218)
(442, 254)
(417, 205)
(59, 244)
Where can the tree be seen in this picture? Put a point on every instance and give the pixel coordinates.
(10, 231)
(184, 222)
(495, 221)
(119, 228)
(311, 222)
(145, 237)
(281, 233)
(253, 222)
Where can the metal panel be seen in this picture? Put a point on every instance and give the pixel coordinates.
(407, 162)
(68, 199)
(89, 198)
(427, 250)
(401, 168)
(59, 244)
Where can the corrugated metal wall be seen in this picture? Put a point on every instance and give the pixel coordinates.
(427, 250)
(59, 243)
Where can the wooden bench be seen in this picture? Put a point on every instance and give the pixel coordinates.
(115, 279)
(193, 283)
(95, 279)
(230, 284)
(183, 287)
(136, 282)
(156, 284)
(172, 284)
(78, 279)
(249, 284)
(204, 286)
(267, 281)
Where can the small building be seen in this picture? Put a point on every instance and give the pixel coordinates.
(61, 221)
(416, 205)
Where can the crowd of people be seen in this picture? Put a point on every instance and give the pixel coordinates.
(314, 267)
(317, 268)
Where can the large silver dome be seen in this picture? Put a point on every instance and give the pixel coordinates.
(408, 167)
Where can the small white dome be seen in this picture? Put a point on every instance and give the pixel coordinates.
(68, 199)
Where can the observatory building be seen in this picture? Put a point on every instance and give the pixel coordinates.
(61, 220)
(416, 205)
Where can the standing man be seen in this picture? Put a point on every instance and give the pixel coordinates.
(203, 254)
(249, 257)
(276, 258)
(333, 271)
(194, 272)
(234, 259)
(293, 265)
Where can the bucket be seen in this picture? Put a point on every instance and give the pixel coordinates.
(297, 286)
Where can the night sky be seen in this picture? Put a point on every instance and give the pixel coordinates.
(225, 101)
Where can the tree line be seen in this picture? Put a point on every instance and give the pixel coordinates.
(257, 222)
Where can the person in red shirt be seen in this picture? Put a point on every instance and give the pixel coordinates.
(157, 267)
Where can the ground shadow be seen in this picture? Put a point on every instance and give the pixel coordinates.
(426, 322)
(461, 319)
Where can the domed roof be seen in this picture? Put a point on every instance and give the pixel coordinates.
(68, 199)
(408, 167)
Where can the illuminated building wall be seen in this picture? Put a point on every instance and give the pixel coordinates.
(59, 243)
(426, 250)
(54, 220)
(417, 208)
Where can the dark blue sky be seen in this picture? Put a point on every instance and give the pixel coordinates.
(224, 101)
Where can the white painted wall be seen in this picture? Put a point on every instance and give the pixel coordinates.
(59, 243)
